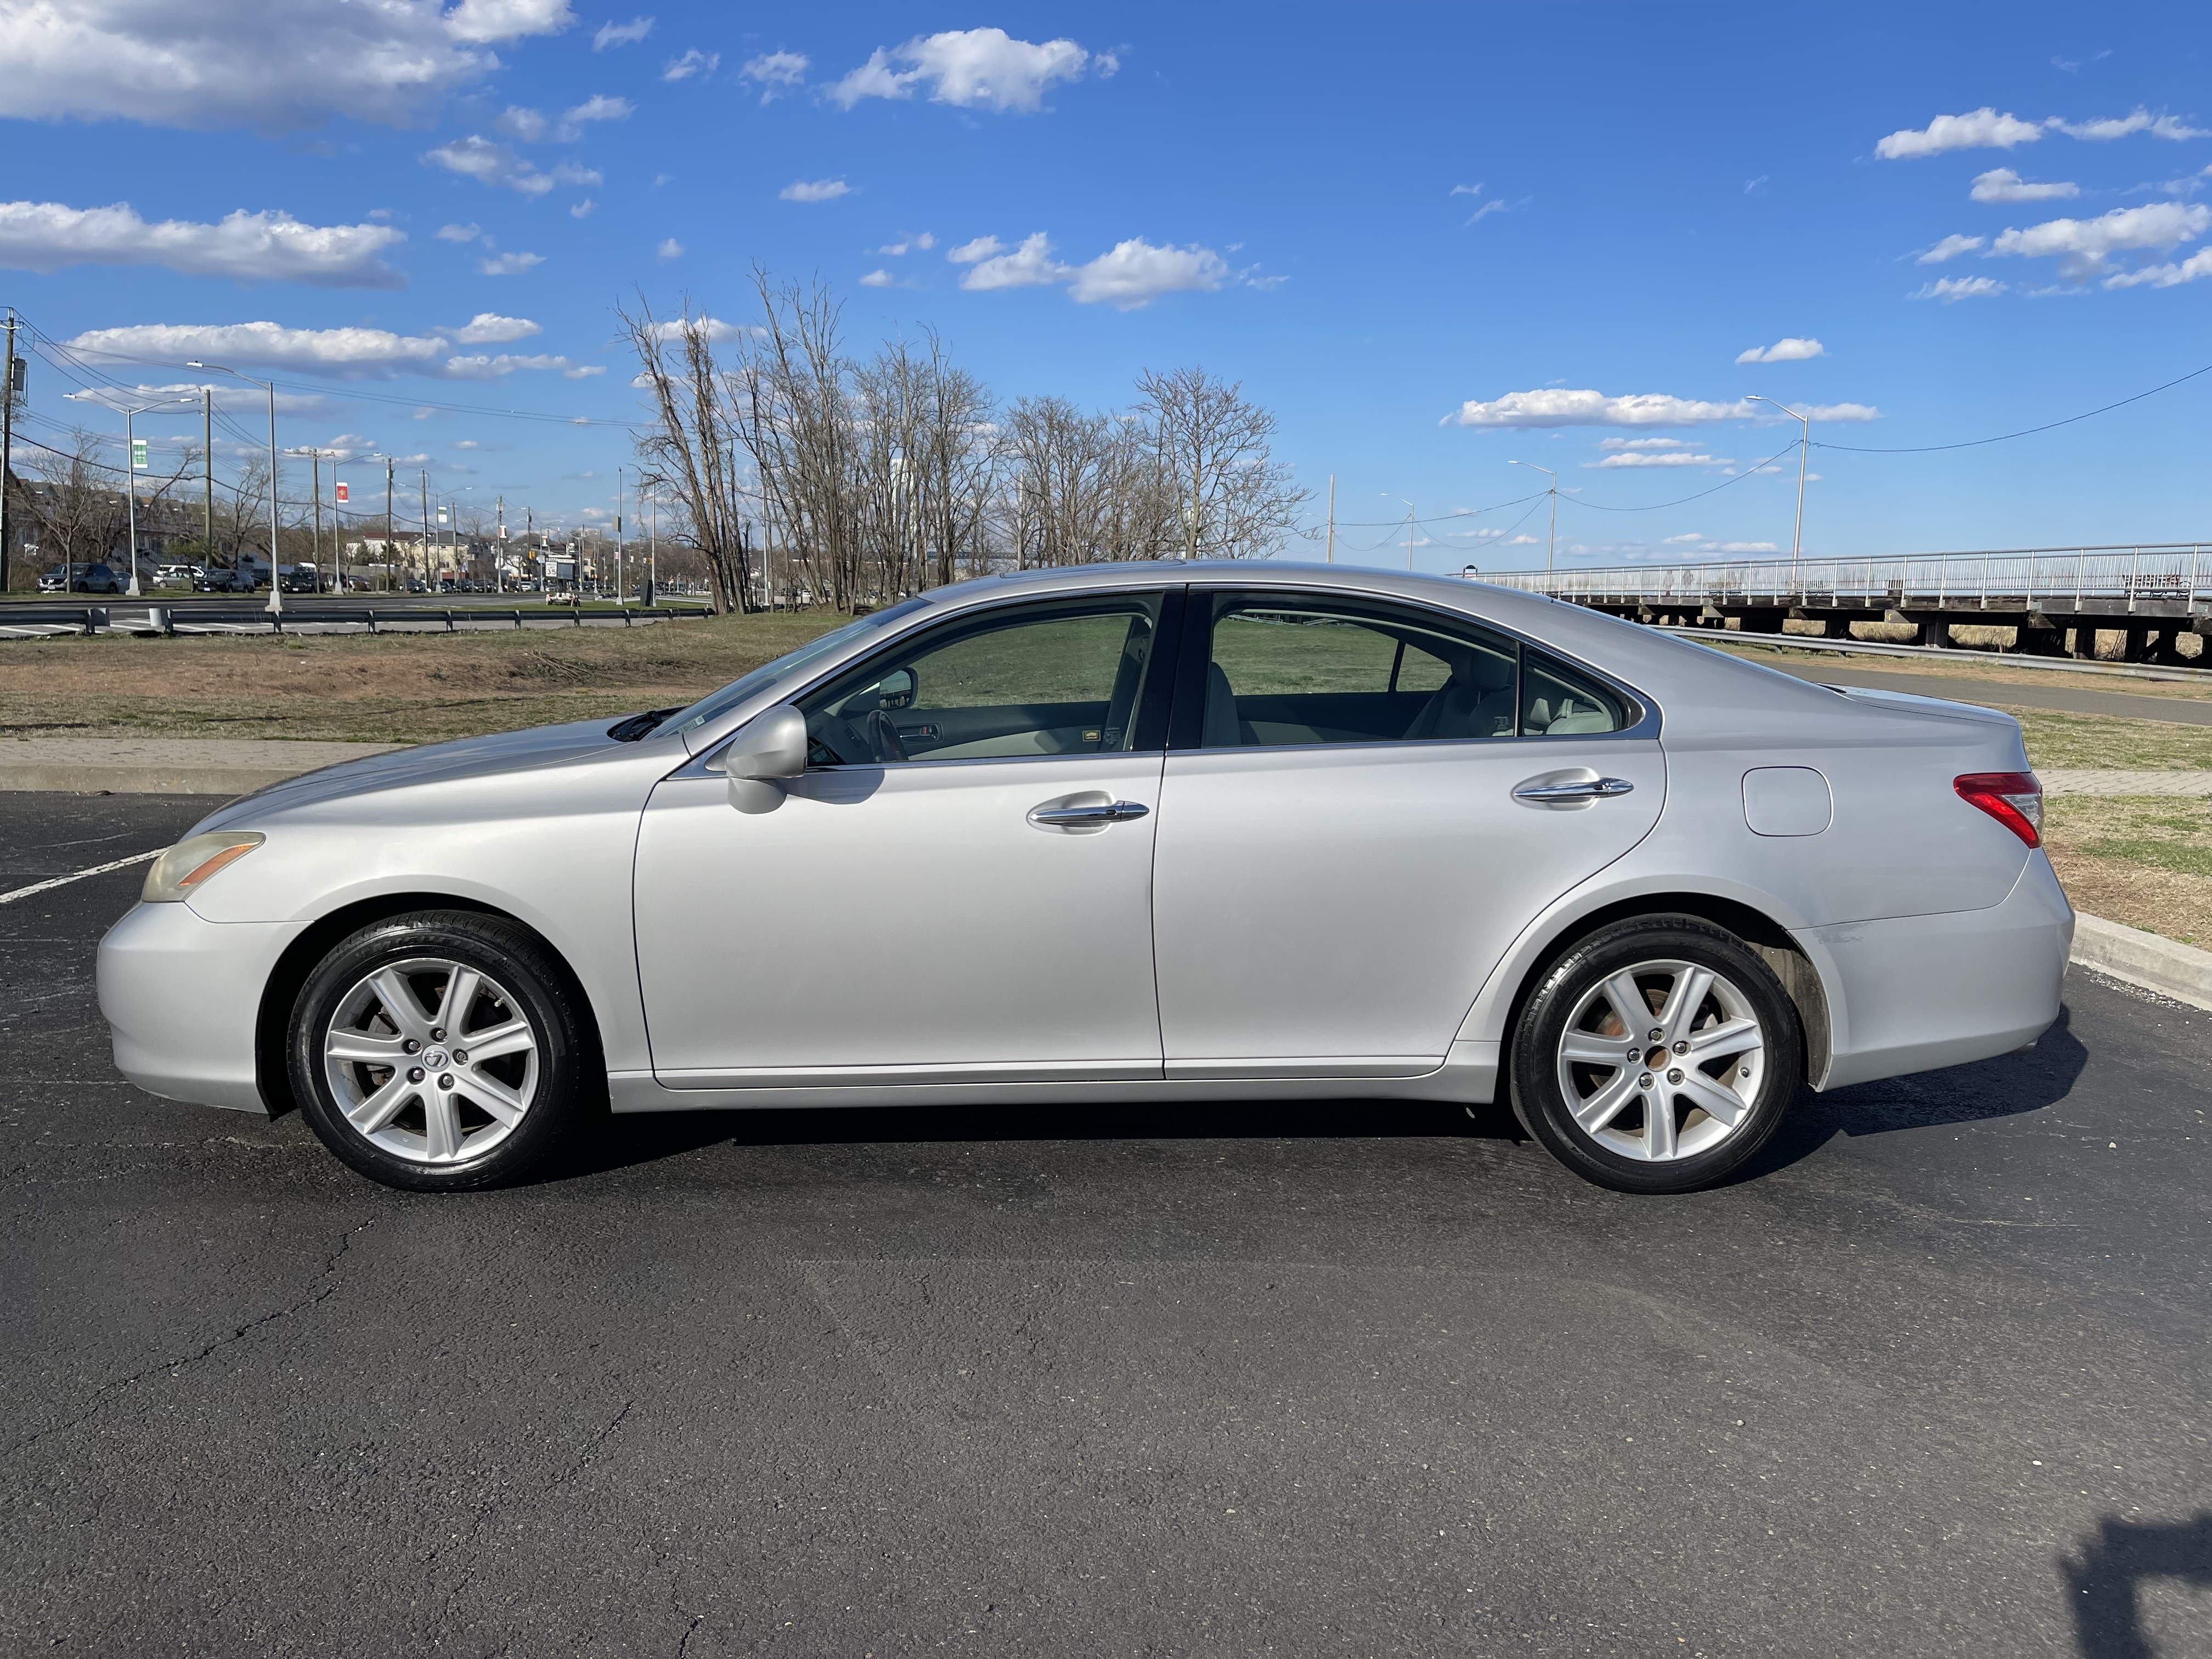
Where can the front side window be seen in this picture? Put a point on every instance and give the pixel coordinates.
(1061, 679)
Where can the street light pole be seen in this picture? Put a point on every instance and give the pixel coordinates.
(1551, 542)
(1804, 450)
(276, 587)
(131, 483)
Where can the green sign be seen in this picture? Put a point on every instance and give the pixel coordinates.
(139, 454)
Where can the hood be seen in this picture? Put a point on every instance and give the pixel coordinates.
(503, 753)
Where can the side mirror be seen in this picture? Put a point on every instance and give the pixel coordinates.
(898, 689)
(772, 747)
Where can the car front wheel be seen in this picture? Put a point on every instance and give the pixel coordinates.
(1657, 1056)
(440, 1051)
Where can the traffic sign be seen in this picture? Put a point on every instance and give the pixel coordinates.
(137, 455)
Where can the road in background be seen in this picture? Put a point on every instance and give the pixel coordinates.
(1331, 1379)
(2070, 699)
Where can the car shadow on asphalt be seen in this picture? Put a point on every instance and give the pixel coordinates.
(2005, 1087)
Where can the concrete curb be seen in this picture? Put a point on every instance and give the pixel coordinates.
(2164, 965)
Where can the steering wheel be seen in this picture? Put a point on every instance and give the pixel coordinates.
(883, 737)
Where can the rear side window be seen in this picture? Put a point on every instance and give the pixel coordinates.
(1559, 701)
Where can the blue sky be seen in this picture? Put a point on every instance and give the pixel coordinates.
(1434, 240)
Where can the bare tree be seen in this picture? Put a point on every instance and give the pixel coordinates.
(1232, 499)
(690, 453)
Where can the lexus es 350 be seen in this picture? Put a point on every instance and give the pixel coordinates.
(1124, 833)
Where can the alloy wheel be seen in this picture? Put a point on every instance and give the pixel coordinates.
(1661, 1061)
(431, 1061)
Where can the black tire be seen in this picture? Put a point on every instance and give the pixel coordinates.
(525, 984)
(1573, 990)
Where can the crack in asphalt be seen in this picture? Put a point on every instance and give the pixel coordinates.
(107, 1391)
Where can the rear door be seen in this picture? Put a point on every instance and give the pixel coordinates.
(1342, 857)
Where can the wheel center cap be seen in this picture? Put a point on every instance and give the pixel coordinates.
(434, 1059)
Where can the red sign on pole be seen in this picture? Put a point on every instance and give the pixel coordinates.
(344, 494)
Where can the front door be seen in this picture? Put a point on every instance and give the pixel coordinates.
(956, 890)
(1342, 857)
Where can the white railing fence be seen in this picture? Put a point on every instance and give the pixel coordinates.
(2169, 575)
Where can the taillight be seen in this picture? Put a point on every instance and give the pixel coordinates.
(2013, 799)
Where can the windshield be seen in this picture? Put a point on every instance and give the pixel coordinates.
(716, 704)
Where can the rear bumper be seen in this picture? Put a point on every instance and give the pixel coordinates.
(182, 998)
(1913, 993)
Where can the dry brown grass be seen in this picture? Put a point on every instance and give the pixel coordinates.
(2144, 861)
(410, 688)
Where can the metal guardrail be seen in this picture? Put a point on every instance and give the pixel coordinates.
(2174, 577)
(169, 619)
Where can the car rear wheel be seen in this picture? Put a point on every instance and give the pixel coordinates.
(440, 1051)
(1657, 1056)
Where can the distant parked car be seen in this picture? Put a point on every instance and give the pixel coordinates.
(83, 579)
(228, 580)
(187, 574)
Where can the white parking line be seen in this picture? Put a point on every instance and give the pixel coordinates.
(96, 870)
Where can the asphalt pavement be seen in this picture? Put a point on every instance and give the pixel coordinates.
(1336, 1379)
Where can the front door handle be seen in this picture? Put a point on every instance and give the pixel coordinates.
(1540, 792)
(1118, 812)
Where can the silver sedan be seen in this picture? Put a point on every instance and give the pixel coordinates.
(1197, 831)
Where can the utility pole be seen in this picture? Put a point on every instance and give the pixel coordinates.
(622, 588)
(1551, 542)
(426, 529)
(390, 540)
(1330, 557)
(315, 466)
(499, 541)
(207, 471)
(652, 554)
(9, 387)
(1804, 449)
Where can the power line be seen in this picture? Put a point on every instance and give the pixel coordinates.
(2025, 432)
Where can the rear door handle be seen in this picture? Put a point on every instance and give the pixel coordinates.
(1117, 812)
(1538, 792)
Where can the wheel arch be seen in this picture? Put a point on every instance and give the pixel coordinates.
(272, 1074)
(1772, 942)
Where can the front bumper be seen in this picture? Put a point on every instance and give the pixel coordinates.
(182, 998)
(1918, 993)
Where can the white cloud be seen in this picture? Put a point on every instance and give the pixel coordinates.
(985, 69)
(467, 233)
(670, 249)
(2082, 245)
(478, 158)
(2121, 127)
(1554, 408)
(1791, 350)
(776, 73)
(489, 328)
(345, 353)
(1746, 547)
(622, 34)
(924, 242)
(1030, 265)
(1691, 536)
(878, 279)
(1644, 443)
(529, 125)
(815, 190)
(2197, 264)
(208, 64)
(265, 246)
(2004, 185)
(509, 264)
(1981, 128)
(693, 62)
(1949, 248)
(583, 209)
(1464, 190)
(1660, 458)
(1951, 289)
(717, 329)
(1134, 273)
(597, 107)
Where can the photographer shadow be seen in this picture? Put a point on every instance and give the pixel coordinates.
(2104, 1574)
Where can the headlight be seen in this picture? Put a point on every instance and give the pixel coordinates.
(193, 860)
